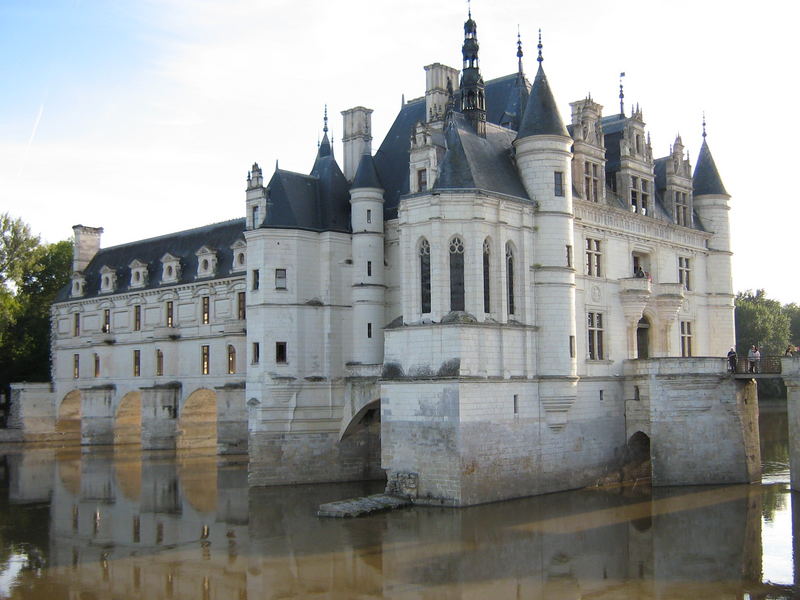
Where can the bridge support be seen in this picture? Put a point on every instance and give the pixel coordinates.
(793, 414)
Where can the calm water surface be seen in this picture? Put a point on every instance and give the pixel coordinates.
(101, 525)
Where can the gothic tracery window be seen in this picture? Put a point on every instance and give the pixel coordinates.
(425, 275)
(510, 277)
(456, 274)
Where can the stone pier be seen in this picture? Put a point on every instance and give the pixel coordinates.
(159, 416)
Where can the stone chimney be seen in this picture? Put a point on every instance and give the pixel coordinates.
(86, 244)
(437, 77)
(356, 138)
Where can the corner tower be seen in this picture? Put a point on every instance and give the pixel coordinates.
(544, 162)
(711, 204)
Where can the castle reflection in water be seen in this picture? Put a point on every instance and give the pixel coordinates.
(104, 525)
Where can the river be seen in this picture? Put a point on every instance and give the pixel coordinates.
(99, 524)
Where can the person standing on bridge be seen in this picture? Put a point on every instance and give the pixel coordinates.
(751, 359)
(732, 359)
(758, 360)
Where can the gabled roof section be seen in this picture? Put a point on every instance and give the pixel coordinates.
(541, 115)
(475, 162)
(706, 178)
(366, 174)
(182, 245)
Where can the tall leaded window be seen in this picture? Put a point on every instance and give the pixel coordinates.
(510, 277)
(456, 274)
(206, 309)
(686, 338)
(682, 209)
(170, 314)
(635, 194)
(593, 256)
(159, 363)
(137, 363)
(76, 366)
(487, 298)
(595, 328)
(76, 325)
(425, 275)
(205, 356)
(241, 306)
(231, 360)
(558, 183)
(97, 365)
(107, 320)
(137, 317)
(591, 181)
(685, 272)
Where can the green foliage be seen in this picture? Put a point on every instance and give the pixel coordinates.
(31, 274)
(762, 322)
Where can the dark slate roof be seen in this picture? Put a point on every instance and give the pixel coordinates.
(183, 244)
(366, 176)
(541, 115)
(613, 128)
(317, 202)
(392, 158)
(472, 161)
(706, 177)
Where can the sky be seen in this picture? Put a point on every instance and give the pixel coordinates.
(144, 116)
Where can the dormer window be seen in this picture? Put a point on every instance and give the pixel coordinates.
(239, 257)
(138, 273)
(683, 215)
(422, 180)
(206, 262)
(108, 280)
(170, 268)
(78, 285)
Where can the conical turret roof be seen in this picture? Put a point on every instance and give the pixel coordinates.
(706, 178)
(541, 113)
(366, 174)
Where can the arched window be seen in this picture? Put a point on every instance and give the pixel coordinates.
(487, 304)
(231, 360)
(425, 275)
(510, 277)
(456, 274)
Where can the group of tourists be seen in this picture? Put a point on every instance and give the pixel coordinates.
(754, 357)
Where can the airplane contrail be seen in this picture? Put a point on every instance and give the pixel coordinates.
(30, 140)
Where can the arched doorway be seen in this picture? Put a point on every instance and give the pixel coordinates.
(197, 425)
(128, 420)
(643, 338)
(362, 437)
(68, 422)
(637, 464)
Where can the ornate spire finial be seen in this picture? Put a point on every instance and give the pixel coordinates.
(540, 58)
(325, 120)
(704, 125)
(469, 9)
(519, 52)
(621, 95)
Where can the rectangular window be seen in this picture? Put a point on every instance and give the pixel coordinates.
(280, 279)
(569, 256)
(635, 194)
(137, 318)
(255, 217)
(136, 529)
(170, 314)
(76, 366)
(593, 256)
(369, 330)
(572, 351)
(645, 197)
(686, 338)
(159, 363)
(591, 181)
(231, 360)
(369, 216)
(107, 320)
(76, 325)
(558, 183)
(137, 363)
(206, 309)
(256, 353)
(280, 352)
(422, 180)
(256, 278)
(97, 365)
(595, 328)
(516, 404)
(241, 306)
(682, 209)
(369, 268)
(205, 355)
(685, 272)
(602, 395)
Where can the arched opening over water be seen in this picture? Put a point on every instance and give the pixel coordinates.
(639, 447)
(637, 461)
(68, 422)
(364, 432)
(643, 334)
(197, 425)
(128, 420)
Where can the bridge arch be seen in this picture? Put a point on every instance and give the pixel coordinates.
(366, 416)
(128, 419)
(197, 423)
(68, 421)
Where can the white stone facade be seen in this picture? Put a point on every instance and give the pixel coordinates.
(357, 347)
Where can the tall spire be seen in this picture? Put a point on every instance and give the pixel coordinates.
(325, 144)
(519, 54)
(706, 179)
(325, 120)
(473, 101)
(621, 95)
(704, 125)
(540, 58)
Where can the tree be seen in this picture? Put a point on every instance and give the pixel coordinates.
(793, 312)
(762, 322)
(31, 274)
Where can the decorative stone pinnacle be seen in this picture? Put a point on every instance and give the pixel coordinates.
(540, 58)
